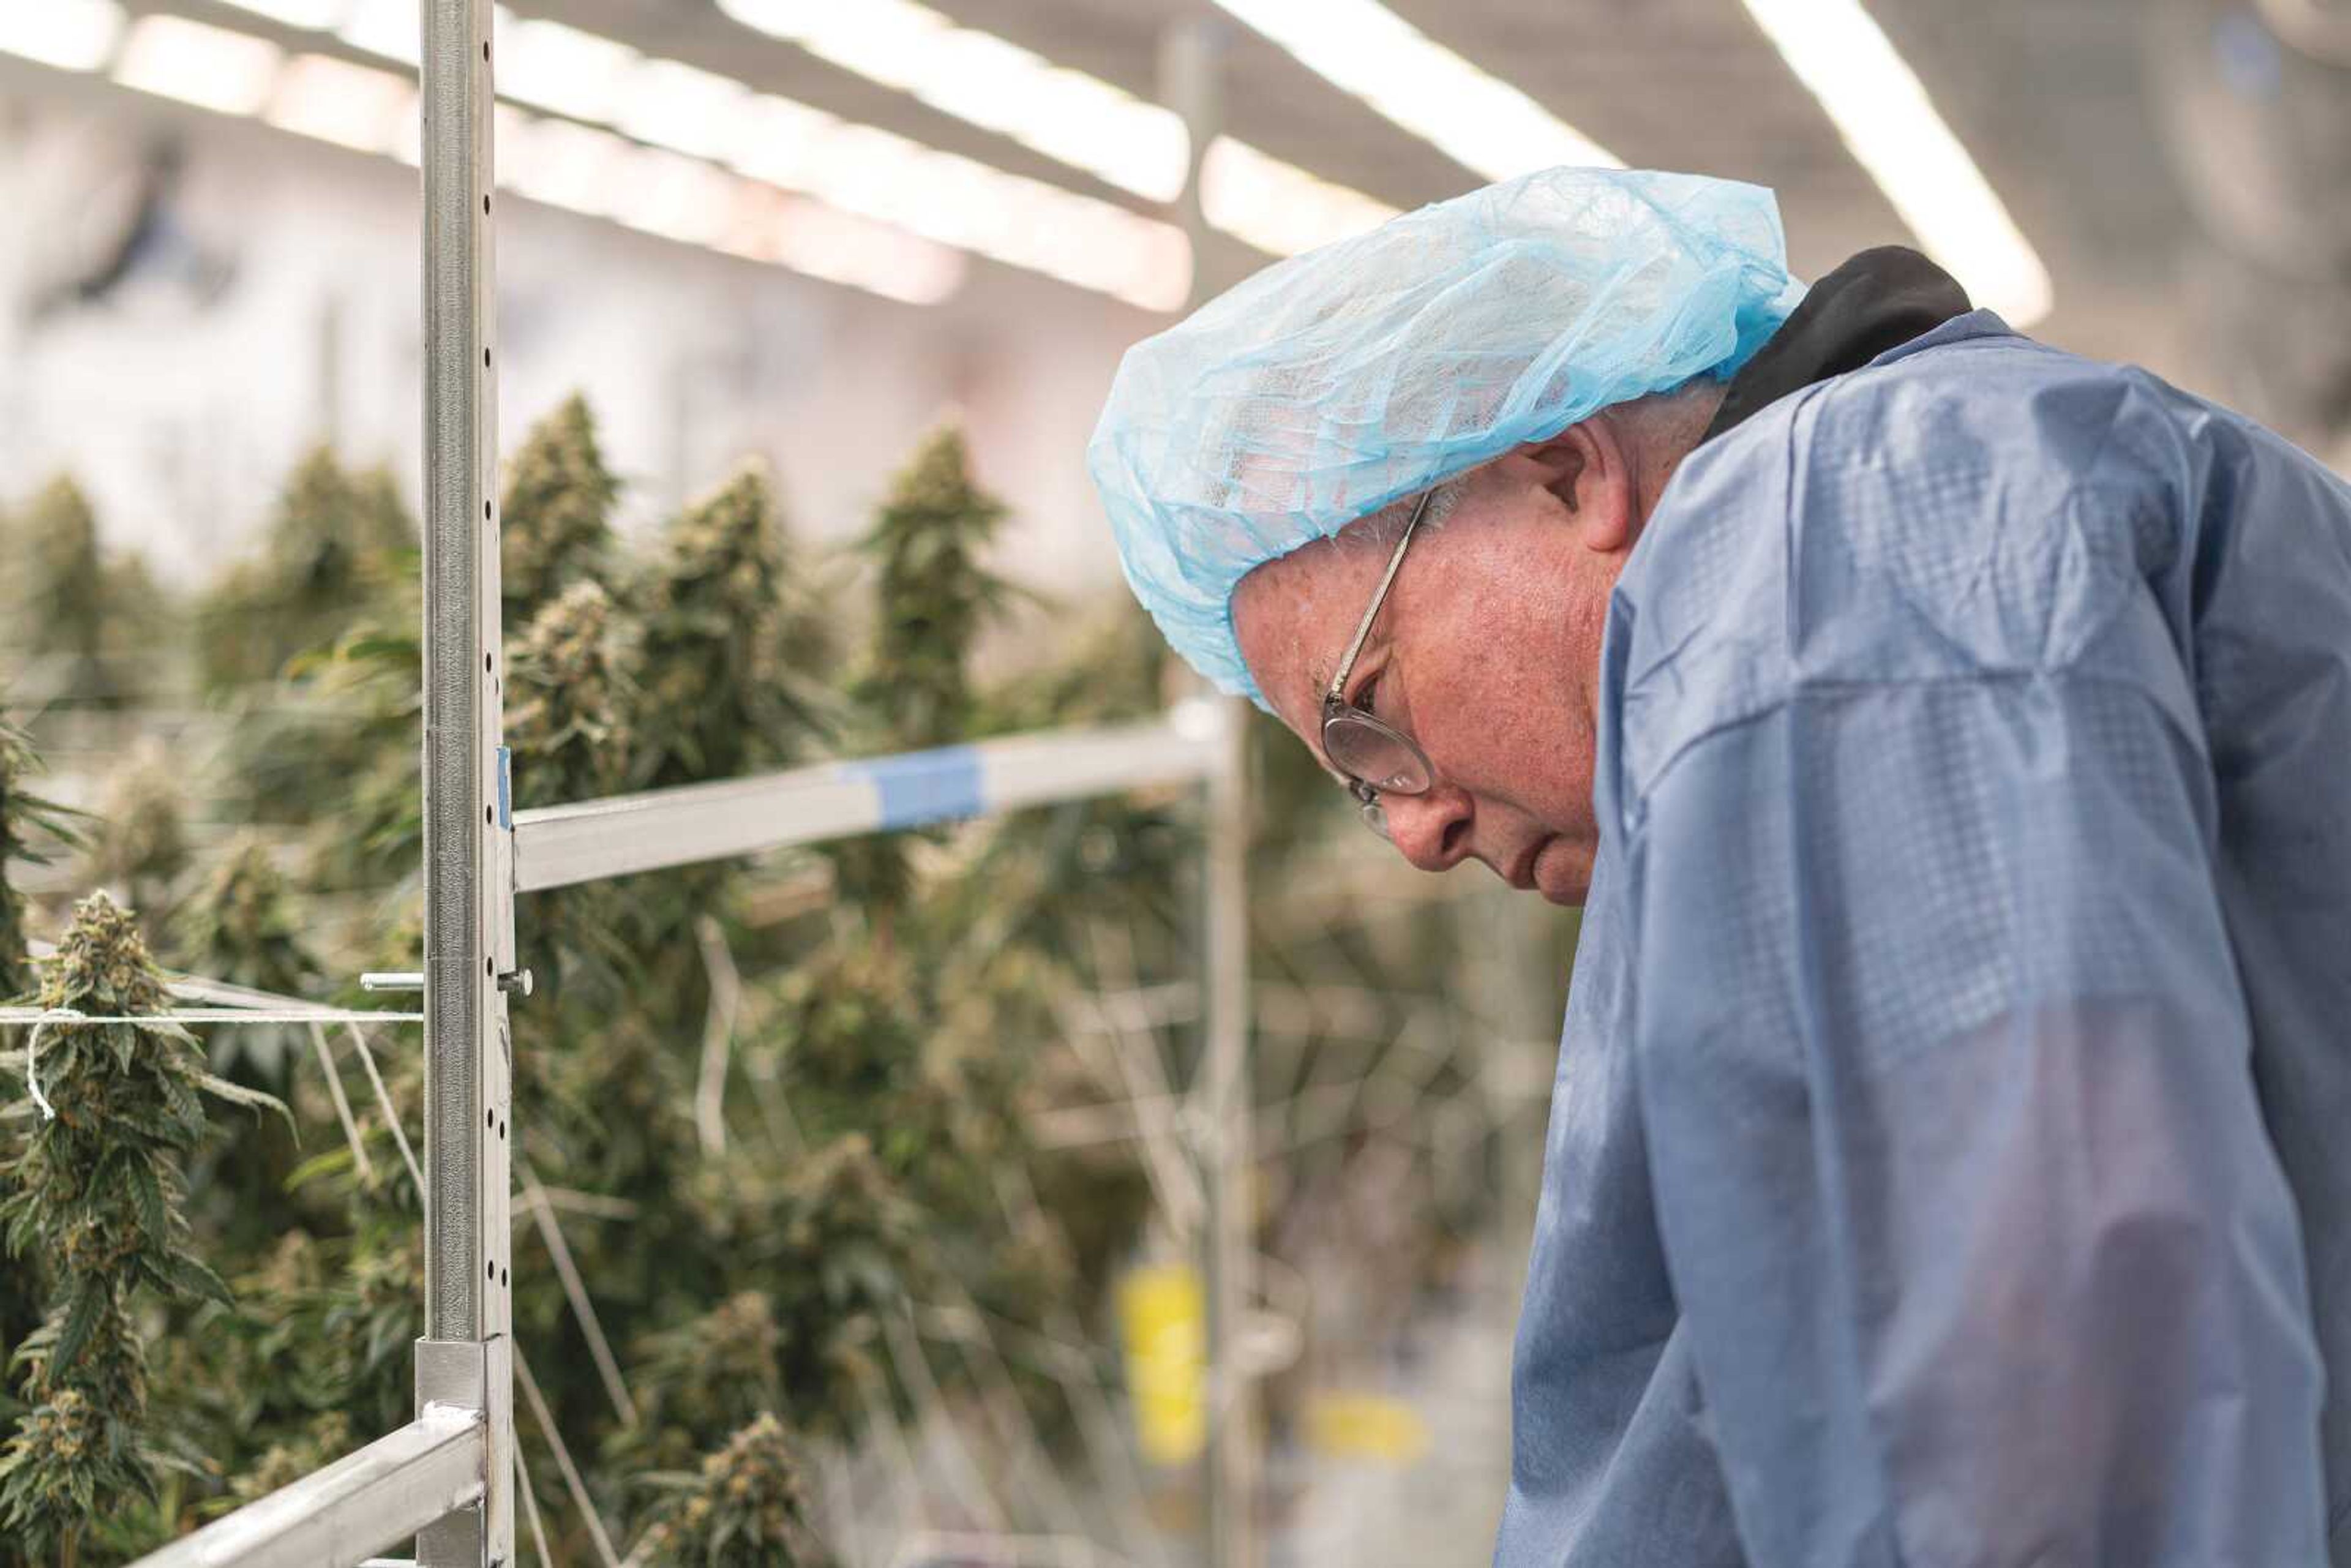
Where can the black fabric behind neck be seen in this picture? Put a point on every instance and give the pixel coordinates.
(1880, 299)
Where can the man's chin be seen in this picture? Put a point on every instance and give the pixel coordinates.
(1562, 872)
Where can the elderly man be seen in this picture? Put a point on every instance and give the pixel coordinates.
(1950, 740)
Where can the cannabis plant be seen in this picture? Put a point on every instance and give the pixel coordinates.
(26, 821)
(933, 597)
(95, 1191)
(139, 845)
(702, 1379)
(720, 605)
(747, 1507)
(67, 600)
(332, 545)
(556, 521)
(241, 926)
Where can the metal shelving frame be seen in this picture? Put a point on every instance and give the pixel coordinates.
(447, 1477)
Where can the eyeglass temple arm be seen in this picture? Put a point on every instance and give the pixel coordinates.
(1347, 664)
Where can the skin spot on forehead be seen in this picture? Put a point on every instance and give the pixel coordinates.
(1288, 616)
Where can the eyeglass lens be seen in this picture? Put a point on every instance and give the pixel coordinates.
(1366, 749)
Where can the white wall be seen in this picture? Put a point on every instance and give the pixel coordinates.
(179, 417)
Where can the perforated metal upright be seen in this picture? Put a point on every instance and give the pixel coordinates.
(466, 1354)
(1191, 70)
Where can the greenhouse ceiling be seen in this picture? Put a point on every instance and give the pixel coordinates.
(889, 142)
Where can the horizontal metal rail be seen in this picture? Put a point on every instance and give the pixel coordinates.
(341, 1516)
(559, 846)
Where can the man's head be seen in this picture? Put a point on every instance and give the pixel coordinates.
(1486, 648)
(1549, 341)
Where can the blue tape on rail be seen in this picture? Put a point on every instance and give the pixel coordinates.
(506, 786)
(924, 786)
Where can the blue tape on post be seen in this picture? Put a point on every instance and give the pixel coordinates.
(925, 787)
(506, 786)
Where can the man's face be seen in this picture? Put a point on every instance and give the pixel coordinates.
(1485, 652)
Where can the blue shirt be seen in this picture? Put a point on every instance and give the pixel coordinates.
(1950, 1159)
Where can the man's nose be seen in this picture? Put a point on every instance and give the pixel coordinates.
(1432, 829)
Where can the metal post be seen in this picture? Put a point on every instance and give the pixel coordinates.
(1190, 71)
(1228, 1150)
(466, 1356)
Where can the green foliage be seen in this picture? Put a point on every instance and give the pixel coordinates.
(720, 619)
(66, 599)
(933, 597)
(25, 820)
(789, 1108)
(701, 1380)
(333, 544)
(140, 842)
(241, 926)
(96, 1191)
(557, 518)
(746, 1508)
(571, 717)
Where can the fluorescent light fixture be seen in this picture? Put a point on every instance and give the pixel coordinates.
(1276, 207)
(602, 175)
(335, 101)
(317, 15)
(1404, 75)
(71, 35)
(983, 80)
(684, 109)
(952, 200)
(889, 214)
(822, 241)
(565, 165)
(1128, 142)
(677, 197)
(1890, 126)
(389, 29)
(211, 67)
(551, 65)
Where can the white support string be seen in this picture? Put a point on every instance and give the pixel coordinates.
(530, 1509)
(550, 1232)
(33, 1071)
(962, 1472)
(390, 1114)
(342, 1105)
(36, 1016)
(717, 1034)
(571, 1481)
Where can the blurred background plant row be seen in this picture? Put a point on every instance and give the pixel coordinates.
(849, 1152)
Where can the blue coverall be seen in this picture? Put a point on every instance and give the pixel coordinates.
(1950, 1161)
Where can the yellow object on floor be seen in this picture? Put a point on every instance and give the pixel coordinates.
(1365, 1427)
(1162, 1315)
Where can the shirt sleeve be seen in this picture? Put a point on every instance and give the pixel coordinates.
(1966, 1194)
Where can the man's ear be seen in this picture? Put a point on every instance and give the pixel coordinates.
(1585, 468)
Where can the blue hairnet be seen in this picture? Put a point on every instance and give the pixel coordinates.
(1331, 384)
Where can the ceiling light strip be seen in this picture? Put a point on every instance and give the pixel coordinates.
(1890, 126)
(986, 80)
(1074, 119)
(212, 68)
(688, 199)
(1401, 74)
(68, 35)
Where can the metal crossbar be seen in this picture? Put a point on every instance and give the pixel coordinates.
(448, 1476)
(558, 846)
(357, 1506)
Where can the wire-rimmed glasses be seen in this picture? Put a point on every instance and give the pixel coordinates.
(1372, 756)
